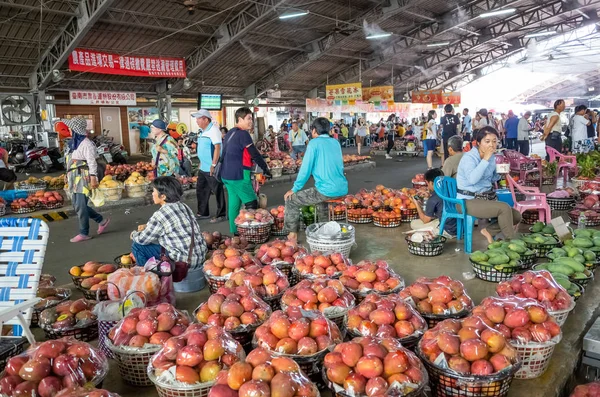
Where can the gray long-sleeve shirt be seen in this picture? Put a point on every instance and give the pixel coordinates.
(523, 129)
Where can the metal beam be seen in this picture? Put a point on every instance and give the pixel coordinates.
(236, 28)
(104, 85)
(75, 30)
(46, 10)
(325, 44)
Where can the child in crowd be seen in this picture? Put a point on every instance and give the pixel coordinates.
(430, 218)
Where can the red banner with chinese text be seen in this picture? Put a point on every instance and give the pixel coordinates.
(93, 61)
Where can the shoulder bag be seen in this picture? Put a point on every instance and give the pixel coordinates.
(158, 157)
(217, 173)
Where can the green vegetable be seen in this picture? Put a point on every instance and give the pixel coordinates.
(499, 259)
(579, 276)
(538, 227)
(517, 248)
(570, 262)
(582, 242)
(558, 268)
(479, 257)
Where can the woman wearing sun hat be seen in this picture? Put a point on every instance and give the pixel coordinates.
(164, 151)
(82, 177)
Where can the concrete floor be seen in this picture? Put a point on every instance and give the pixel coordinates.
(373, 243)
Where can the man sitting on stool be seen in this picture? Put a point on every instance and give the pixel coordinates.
(324, 162)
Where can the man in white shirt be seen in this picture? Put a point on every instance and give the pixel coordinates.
(579, 138)
(298, 140)
(523, 129)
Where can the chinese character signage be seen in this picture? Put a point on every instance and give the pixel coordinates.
(86, 97)
(436, 97)
(344, 92)
(378, 94)
(92, 61)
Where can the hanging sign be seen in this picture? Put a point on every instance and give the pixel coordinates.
(92, 61)
(344, 92)
(433, 96)
(452, 98)
(87, 97)
(378, 94)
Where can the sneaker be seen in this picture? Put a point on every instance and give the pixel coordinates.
(103, 225)
(80, 237)
(388, 157)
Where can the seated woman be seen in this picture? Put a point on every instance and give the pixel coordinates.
(474, 180)
(170, 228)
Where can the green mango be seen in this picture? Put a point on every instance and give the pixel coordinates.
(513, 263)
(517, 248)
(572, 251)
(495, 252)
(563, 282)
(537, 227)
(570, 262)
(495, 245)
(514, 256)
(584, 233)
(518, 241)
(558, 268)
(499, 259)
(579, 275)
(548, 230)
(479, 257)
(596, 241)
(542, 266)
(539, 240)
(595, 248)
(579, 258)
(568, 243)
(589, 256)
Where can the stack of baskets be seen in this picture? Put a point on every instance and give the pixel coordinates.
(341, 242)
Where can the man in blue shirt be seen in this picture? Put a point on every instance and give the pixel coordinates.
(324, 162)
(434, 209)
(144, 132)
(512, 130)
(467, 125)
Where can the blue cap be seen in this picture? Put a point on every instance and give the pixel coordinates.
(161, 125)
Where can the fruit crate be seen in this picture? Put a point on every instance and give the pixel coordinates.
(426, 248)
(527, 261)
(447, 383)
(530, 217)
(360, 218)
(541, 249)
(133, 363)
(387, 222)
(489, 273)
(535, 358)
(10, 347)
(257, 234)
(277, 228)
(409, 215)
(590, 221)
(561, 204)
(23, 210)
(87, 333)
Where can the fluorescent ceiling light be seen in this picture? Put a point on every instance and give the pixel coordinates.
(539, 34)
(498, 12)
(438, 44)
(378, 35)
(293, 14)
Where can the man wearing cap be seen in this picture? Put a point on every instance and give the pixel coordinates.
(209, 150)
(164, 150)
(511, 125)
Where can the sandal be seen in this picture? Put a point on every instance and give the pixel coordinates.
(217, 219)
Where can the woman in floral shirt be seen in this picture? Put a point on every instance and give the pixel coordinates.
(164, 151)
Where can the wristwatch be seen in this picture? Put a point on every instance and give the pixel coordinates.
(214, 165)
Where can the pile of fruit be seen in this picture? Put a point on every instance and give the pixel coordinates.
(253, 217)
(326, 295)
(136, 185)
(468, 346)
(56, 182)
(224, 262)
(366, 277)
(541, 227)
(358, 215)
(387, 218)
(296, 333)
(567, 270)
(266, 281)
(385, 198)
(49, 200)
(317, 264)
(385, 317)
(535, 239)
(123, 171)
(196, 356)
(52, 366)
(502, 255)
(216, 240)
(111, 189)
(439, 296)
(68, 315)
(279, 251)
(374, 367)
(23, 206)
(92, 275)
(278, 212)
(153, 325)
(519, 320)
(419, 179)
(263, 374)
(235, 309)
(538, 285)
(352, 158)
(587, 390)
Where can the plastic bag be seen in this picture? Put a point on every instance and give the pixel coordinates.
(283, 371)
(391, 370)
(253, 217)
(136, 278)
(85, 392)
(367, 276)
(116, 310)
(196, 356)
(51, 297)
(236, 309)
(151, 325)
(587, 390)
(224, 262)
(520, 320)
(439, 296)
(279, 251)
(318, 264)
(97, 198)
(47, 280)
(330, 297)
(266, 281)
(483, 350)
(538, 285)
(48, 367)
(68, 315)
(385, 317)
(287, 333)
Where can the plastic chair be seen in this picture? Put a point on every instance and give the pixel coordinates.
(566, 163)
(534, 200)
(445, 188)
(523, 165)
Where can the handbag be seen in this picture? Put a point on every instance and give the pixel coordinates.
(158, 157)
(179, 269)
(217, 173)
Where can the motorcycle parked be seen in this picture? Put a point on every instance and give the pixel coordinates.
(46, 160)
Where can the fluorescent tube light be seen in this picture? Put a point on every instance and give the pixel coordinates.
(438, 44)
(498, 12)
(378, 36)
(293, 14)
(539, 34)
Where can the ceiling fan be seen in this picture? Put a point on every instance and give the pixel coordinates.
(196, 5)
